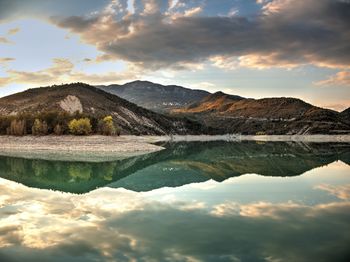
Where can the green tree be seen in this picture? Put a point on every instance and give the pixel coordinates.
(81, 126)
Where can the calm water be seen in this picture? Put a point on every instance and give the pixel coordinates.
(215, 201)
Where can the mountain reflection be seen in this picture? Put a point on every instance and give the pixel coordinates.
(119, 225)
(178, 164)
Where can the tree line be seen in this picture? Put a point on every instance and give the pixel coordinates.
(57, 123)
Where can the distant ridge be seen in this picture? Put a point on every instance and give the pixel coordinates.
(284, 115)
(156, 97)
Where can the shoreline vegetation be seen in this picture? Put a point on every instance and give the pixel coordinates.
(57, 123)
(109, 148)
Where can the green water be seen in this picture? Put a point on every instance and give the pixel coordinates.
(215, 201)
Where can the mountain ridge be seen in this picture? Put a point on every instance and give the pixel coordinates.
(90, 100)
(208, 113)
(156, 97)
(277, 115)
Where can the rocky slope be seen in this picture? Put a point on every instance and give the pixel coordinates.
(90, 100)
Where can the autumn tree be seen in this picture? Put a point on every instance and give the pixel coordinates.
(80, 126)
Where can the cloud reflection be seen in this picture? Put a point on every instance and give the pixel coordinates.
(120, 225)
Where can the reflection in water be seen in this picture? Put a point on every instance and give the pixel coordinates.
(296, 207)
(169, 225)
(178, 164)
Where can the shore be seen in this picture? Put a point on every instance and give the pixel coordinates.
(75, 148)
(108, 148)
(266, 138)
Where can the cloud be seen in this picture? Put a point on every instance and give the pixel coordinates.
(193, 11)
(4, 40)
(120, 225)
(339, 79)
(5, 60)
(63, 71)
(341, 191)
(13, 31)
(288, 33)
(274, 6)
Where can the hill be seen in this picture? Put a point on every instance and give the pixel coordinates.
(90, 100)
(346, 114)
(284, 115)
(156, 97)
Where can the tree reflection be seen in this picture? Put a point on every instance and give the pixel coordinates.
(178, 164)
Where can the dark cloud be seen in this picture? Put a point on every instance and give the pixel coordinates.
(20, 8)
(285, 32)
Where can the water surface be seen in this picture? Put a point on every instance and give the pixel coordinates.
(215, 201)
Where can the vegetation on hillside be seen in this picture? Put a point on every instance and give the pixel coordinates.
(57, 123)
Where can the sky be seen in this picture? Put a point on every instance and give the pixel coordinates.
(251, 48)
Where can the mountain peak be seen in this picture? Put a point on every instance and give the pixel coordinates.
(222, 96)
(156, 97)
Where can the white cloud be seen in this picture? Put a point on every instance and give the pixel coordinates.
(339, 79)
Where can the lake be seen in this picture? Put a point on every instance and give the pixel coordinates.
(193, 201)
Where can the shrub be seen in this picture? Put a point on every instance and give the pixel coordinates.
(81, 126)
(58, 130)
(17, 128)
(39, 128)
(5, 122)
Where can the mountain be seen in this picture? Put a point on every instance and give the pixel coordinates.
(90, 100)
(156, 97)
(346, 114)
(234, 114)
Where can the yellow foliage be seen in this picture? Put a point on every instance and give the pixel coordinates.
(81, 126)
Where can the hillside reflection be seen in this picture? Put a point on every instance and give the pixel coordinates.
(168, 225)
(178, 164)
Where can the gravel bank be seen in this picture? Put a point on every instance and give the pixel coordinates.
(75, 148)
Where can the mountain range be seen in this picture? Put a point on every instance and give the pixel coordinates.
(235, 114)
(143, 107)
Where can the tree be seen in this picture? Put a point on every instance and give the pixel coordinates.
(81, 126)
(39, 128)
(58, 130)
(17, 127)
(107, 126)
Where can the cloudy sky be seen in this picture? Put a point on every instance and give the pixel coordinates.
(252, 48)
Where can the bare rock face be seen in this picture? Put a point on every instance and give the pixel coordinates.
(71, 104)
